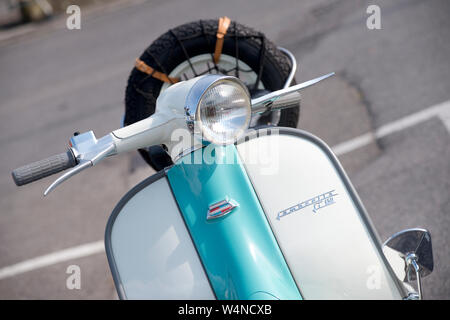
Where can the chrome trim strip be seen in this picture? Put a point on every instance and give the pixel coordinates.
(187, 151)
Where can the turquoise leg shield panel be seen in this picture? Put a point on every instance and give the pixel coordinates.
(238, 250)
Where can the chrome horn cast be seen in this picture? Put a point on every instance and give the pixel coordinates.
(414, 247)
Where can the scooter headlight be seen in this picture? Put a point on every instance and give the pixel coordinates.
(218, 109)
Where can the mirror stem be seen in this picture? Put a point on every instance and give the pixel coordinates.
(411, 260)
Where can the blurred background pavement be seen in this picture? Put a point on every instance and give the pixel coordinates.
(55, 81)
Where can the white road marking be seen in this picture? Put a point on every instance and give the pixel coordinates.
(441, 110)
(82, 251)
(353, 144)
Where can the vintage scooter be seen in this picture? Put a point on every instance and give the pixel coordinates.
(266, 213)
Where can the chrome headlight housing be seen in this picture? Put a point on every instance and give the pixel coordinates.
(218, 109)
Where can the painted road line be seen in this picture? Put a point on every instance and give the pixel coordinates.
(441, 110)
(82, 251)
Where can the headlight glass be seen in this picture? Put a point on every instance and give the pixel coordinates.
(224, 111)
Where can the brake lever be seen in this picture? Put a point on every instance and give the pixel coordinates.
(78, 168)
(89, 151)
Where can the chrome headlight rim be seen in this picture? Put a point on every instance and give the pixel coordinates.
(194, 97)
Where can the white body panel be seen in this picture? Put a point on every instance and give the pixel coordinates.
(151, 249)
(330, 251)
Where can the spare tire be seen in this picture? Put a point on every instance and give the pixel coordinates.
(187, 51)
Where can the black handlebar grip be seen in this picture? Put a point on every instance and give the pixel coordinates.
(43, 168)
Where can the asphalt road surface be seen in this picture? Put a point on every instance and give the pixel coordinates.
(55, 81)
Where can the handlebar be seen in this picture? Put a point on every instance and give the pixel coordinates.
(86, 150)
(43, 168)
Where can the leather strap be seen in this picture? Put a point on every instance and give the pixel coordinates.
(222, 28)
(143, 67)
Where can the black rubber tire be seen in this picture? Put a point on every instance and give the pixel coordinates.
(199, 37)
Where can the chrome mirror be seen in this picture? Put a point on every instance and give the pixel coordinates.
(414, 247)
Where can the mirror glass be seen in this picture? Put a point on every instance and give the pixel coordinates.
(411, 242)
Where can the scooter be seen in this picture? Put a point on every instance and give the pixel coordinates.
(264, 213)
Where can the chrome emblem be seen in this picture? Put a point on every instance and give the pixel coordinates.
(221, 208)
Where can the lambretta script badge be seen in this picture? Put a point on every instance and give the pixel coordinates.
(317, 203)
(221, 208)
